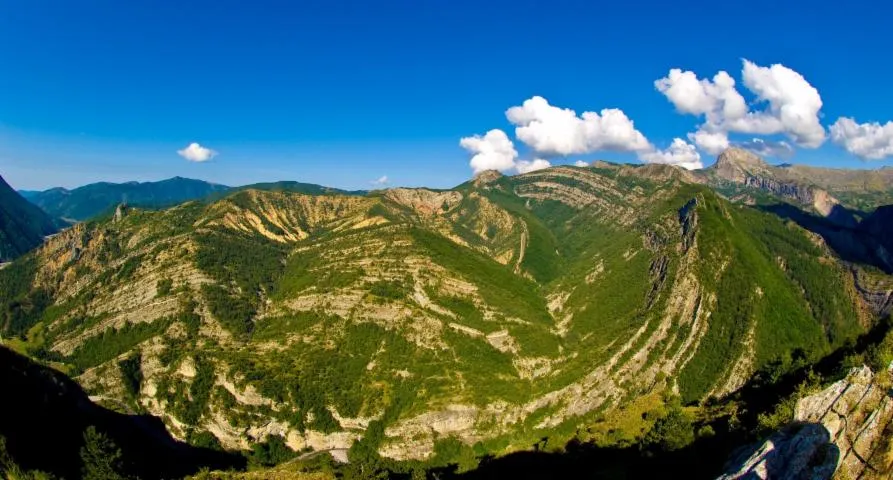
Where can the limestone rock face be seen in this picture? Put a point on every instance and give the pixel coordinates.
(856, 412)
(801, 452)
(841, 432)
(424, 201)
(735, 164)
(742, 167)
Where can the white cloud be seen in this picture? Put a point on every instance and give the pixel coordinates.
(680, 153)
(381, 181)
(554, 131)
(197, 153)
(792, 105)
(581, 163)
(767, 148)
(871, 141)
(493, 151)
(711, 142)
(716, 99)
(792, 101)
(525, 166)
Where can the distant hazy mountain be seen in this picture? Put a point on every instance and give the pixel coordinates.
(22, 225)
(90, 200)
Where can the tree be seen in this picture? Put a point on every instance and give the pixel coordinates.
(100, 457)
(672, 431)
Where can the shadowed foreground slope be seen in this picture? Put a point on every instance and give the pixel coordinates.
(45, 415)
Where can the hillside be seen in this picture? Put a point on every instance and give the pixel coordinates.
(435, 325)
(22, 225)
(45, 423)
(88, 201)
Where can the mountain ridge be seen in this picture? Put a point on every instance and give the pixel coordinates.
(23, 226)
(93, 199)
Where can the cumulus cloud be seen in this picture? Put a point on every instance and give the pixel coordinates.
(871, 141)
(196, 153)
(552, 131)
(767, 148)
(381, 181)
(524, 166)
(716, 99)
(792, 105)
(711, 142)
(493, 151)
(792, 101)
(679, 153)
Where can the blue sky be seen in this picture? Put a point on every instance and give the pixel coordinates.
(343, 93)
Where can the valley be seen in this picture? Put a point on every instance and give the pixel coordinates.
(436, 327)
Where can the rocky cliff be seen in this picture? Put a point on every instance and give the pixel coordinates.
(823, 190)
(743, 168)
(842, 432)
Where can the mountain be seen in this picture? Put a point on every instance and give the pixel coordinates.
(22, 225)
(832, 193)
(88, 201)
(437, 326)
(298, 187)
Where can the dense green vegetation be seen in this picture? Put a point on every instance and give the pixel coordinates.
(164, 287)
(21, 306)
(114, 342)
(234, 312)
(132, 374)
(101, 457)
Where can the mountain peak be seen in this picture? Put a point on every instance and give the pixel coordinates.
(735, 164)
(739, 157)
(487, 176)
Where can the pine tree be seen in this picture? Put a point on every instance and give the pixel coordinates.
(100, 457)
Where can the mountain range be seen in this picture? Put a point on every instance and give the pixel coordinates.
(22, 225)
(425, 328)
(88, 201)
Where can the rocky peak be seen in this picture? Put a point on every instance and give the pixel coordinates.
(487, 176)
(734, 163)
(746, 168)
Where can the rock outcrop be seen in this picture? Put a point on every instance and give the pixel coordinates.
(842, 432)
(856, 411)
(487, 176)
(800, 452)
